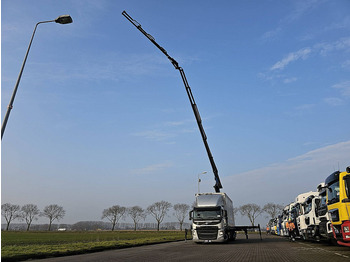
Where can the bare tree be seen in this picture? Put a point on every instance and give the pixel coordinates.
(136, 213)
(29, 213)
(53, 212)
(10, 212)
(158, 210)
(252, 211)
(181, 212)
(272, 209)
(114, 214)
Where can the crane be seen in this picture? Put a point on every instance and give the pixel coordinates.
(217, 185)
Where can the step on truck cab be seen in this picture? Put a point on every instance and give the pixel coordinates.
(338, 202)
(212, 218)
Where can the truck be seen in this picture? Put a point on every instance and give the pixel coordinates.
(338, 204)
(311, 218)
(285, 217)
(213, 218)
(297, 213)
(324, 228)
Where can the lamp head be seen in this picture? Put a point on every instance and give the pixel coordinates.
(64, 19)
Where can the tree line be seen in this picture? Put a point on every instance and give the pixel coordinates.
(31, 212)
(113, 214)
(252, 211)
(158, 210)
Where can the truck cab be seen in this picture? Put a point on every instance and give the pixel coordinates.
(324, 228)
(298, 211)
(311, 217)
(285, 216)
(338, 203)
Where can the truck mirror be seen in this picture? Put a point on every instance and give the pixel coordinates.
(190, 215)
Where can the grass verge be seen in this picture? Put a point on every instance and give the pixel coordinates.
(16, 246)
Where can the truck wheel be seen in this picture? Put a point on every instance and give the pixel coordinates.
(226, 237)
(233, 236)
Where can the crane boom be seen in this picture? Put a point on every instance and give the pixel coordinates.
(217, 185)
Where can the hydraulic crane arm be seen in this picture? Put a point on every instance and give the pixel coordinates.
(217, 185)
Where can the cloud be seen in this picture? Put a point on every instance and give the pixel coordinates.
(290, 80)
(323, 49)
(346, 65)
(334, 101)
(282, 182)
(343, 24)
(156, 168)
(339, 45)
(156, 135)
(291, 57)
(344, 87)
(305, 107)
(166, 131)
(301, 7)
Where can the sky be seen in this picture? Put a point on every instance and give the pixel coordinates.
(102, 118)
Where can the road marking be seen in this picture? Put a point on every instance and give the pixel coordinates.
(341, 255)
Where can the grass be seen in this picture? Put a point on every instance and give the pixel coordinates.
(17, 246)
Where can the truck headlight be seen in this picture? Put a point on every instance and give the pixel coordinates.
(346, 229)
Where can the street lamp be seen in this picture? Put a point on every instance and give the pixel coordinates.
(200, 180)
(63, 19)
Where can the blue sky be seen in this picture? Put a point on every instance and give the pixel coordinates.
(101, 116)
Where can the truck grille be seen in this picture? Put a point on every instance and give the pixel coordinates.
(207, 233)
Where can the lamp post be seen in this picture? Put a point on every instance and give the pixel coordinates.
(63, 19)
(199, 180)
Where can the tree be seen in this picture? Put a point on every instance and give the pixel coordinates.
(29, 213)
(272, 209)
(158, 210)
(53, 212)
(252, 211)
(181, 212)
(10, 212)
(114, 214)
(136, 213)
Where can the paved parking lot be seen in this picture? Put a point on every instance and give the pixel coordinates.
(271, 248)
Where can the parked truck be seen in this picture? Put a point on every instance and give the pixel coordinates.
(338, 202)
(297, 213)
(213, 218)
(323, 230)
(311, 218)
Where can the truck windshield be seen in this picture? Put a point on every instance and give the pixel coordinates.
(308, 207)
(347, 185)
(333, 192)
(206, 213)
(323, 199)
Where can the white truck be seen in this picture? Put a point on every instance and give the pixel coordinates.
(298, 212)
(212, 218)
(310, 217)
(317, 216)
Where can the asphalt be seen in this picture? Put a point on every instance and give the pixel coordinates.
(269, 249)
